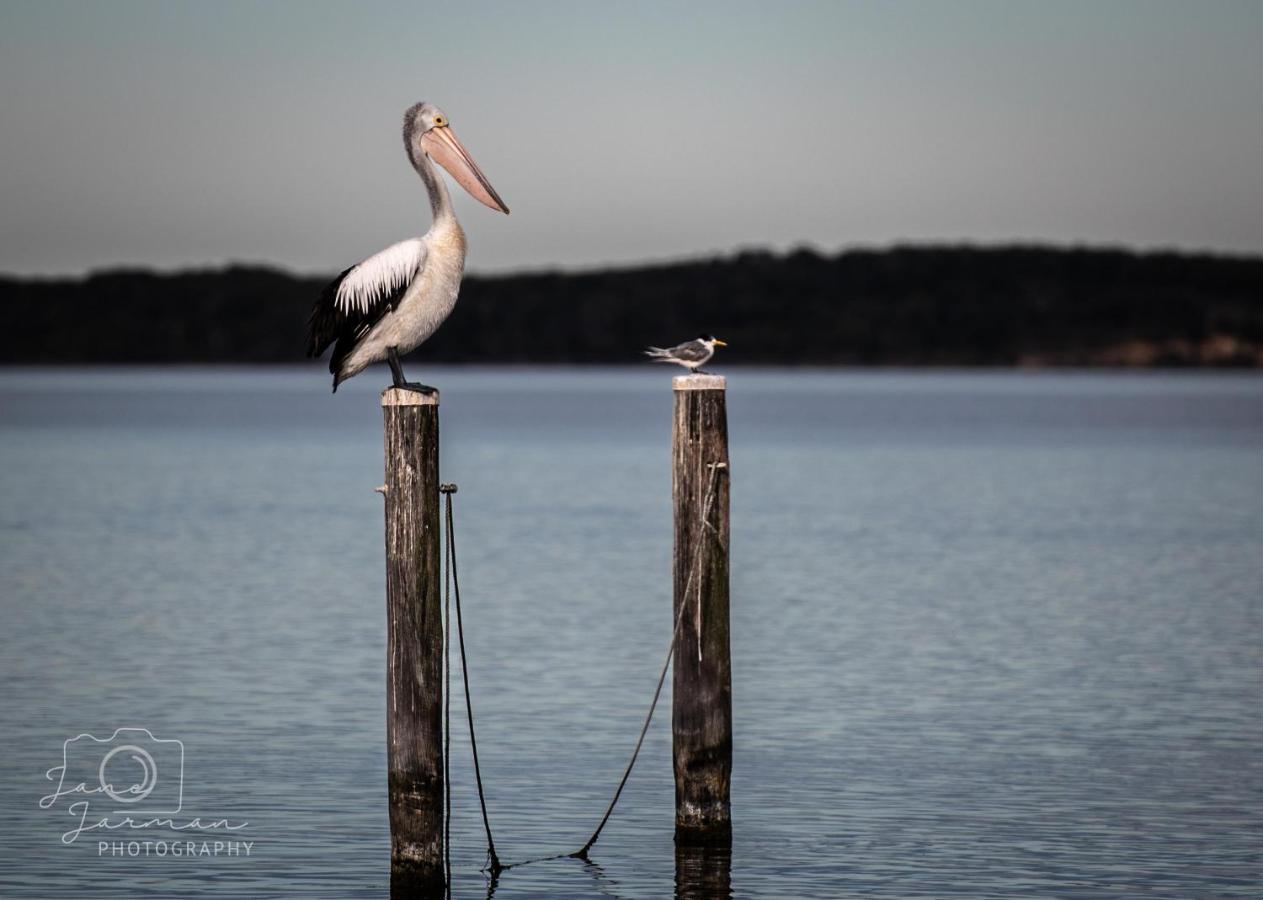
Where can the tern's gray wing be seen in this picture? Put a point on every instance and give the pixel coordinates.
(690, 351)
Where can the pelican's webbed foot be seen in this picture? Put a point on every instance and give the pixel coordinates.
(397, 379)
(415, 386)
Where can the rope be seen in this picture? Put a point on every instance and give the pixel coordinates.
(671, 651)
(496, 867)
(715, 468)
(494, 860)
(447, 718)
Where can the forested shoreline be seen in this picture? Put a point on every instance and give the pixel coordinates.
(905, 306)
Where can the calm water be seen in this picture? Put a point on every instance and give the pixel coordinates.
(993, 635)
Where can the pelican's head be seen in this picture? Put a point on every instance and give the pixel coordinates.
(711, 341)
(427, 131)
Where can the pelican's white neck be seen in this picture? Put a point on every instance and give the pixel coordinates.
(440, 201)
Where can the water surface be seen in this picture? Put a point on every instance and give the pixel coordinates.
(993, 634)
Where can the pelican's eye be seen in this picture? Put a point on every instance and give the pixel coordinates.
(439, 121)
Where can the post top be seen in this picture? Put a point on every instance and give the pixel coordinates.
(700, 382)
(394, 396)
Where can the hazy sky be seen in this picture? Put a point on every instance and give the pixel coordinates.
(174, 134)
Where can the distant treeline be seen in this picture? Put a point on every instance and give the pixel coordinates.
(953, 306)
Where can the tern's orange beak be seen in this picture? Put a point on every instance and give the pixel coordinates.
(441, 144)
(719, 343)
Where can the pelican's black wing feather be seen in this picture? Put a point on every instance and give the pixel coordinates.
(356, 300)
(326, 323)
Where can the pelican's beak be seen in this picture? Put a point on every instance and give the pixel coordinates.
(719, 343)
(441, 143)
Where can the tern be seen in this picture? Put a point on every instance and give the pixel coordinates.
(691, 354)
(392, 302)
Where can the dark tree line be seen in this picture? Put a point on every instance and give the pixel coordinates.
(904, 306)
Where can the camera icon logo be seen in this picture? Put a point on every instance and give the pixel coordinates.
(140, 773)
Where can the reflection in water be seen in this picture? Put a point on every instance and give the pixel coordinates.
(703, 873)
(605, 885)
(602, 883)
(409, 886)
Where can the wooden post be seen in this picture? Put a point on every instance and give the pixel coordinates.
(414, 637)
(701, 720)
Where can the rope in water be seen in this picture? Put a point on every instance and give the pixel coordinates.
(493, 860)
(715, 469)
(495, 866)
(447, 716)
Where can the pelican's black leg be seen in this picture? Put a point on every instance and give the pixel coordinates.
(396, 374)
(396, 370)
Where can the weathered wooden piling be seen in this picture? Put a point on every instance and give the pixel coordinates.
(414, 637)
(701, 720)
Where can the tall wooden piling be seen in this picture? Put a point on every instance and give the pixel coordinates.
(414, 636)
(701, 718)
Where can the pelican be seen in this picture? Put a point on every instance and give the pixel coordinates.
(691, 354)
(389, 304)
